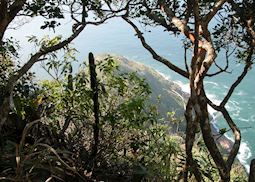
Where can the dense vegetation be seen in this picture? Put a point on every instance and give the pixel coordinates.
(97, 124)
(51, 131)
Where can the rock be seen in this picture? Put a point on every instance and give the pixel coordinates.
(170, 94)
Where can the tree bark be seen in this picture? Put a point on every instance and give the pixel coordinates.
(94, 88)
(3, 19)
(252, 171)
(7, 14)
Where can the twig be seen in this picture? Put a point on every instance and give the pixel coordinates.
(61, 160)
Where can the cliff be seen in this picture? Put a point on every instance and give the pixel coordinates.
(172, 98)
(167, 95)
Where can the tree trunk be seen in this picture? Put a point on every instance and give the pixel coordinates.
(4, 111)
(252, 171)
(94, 88)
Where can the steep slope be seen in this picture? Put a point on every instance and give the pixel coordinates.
(166, 94)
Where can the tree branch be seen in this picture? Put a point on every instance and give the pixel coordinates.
(153, 53)
(239, 79)
(207, 62)
(235, 130)
(5, 107)
(3, 8)
(221, 70)
(36, 57)
(15, 8)
(216, 7)
(94, 88)
(252, 171)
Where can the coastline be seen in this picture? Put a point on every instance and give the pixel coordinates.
(223, 141)
(180, 90)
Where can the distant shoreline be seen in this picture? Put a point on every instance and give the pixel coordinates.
(223, 141)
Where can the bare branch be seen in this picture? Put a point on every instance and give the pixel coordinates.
(153, 53)
(217, 6)
(36, 57)
(185, 58)
(15, 8)
(4, 109)
(237, 135)
(207, 62)
(94, 88)
(192, 125)
(235, 130)
(239, 79)
(221, 70)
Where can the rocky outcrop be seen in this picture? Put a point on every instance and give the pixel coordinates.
(172, 98)
(167, 95)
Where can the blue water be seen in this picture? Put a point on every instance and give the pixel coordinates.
(116, 37)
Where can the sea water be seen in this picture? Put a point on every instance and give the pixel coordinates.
(117, 37)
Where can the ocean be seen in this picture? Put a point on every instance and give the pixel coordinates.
(117, 37)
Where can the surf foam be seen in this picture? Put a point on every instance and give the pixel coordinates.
(244, 152)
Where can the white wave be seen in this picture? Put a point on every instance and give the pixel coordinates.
(243, 119)
(212, 83)
(241, 93)
(233, 106)
(225, 86)
(184, 87)
(244, 154)
(252, 118)
(167, 77)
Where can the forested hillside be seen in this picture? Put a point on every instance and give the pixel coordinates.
(111, 120)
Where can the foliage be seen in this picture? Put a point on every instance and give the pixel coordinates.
(210, 27)
(134, 144)
(131, 138)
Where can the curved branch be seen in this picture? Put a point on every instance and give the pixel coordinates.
(153, 53)
(221, 70)
(36, 57)
(208, 17)
(189, 141)
(235, 130)
(237, 134)
(15, 8)
(239, 79)
(207, 62)
(5, 106)
(211, 145)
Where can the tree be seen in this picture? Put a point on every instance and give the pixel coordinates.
(234, 32)
(128, 131)
(236, 23)
(52, 11)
